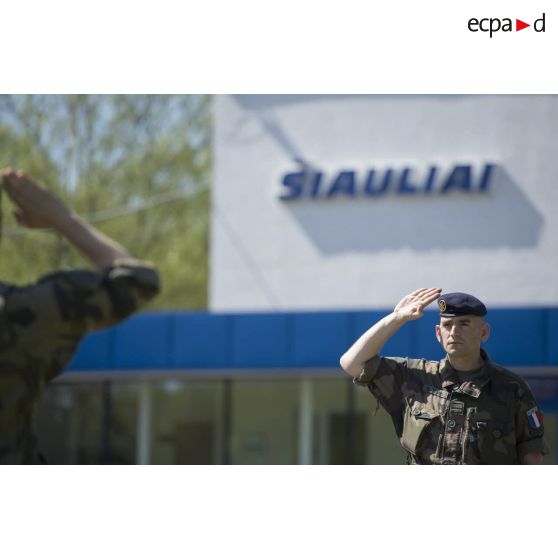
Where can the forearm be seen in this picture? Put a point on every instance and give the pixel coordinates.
(99, 249)
(37, 208)
(370, 343)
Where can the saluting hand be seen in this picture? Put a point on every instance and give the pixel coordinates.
(37, 208)
(412, 306)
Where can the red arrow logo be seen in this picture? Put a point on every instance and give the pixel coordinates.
(519, 25)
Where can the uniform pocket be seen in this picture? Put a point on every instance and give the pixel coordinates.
(496, 443)
(418, 422)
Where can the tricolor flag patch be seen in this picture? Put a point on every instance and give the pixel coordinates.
(535, 417)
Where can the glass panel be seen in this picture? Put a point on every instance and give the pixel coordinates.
(123, 423)
(343, 437)
(383, 447)
(265, 421)
(187, 424)
(69, 423)
(337, 438)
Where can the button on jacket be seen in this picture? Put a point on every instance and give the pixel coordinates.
(445, 417)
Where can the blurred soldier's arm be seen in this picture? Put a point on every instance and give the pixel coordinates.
(370, 343)
(37, 208)
(77, 301)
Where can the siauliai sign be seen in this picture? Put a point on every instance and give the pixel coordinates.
(374, 183)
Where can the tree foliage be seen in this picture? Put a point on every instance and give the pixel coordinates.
(136, 166)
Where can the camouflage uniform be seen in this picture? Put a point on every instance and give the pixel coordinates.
(41, 326)
(443, 418)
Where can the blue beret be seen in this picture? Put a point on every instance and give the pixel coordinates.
(460, 304)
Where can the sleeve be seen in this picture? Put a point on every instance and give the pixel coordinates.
(529, 425)
(77, 302)
(384, 377)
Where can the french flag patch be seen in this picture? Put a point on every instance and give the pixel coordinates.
(535, 417)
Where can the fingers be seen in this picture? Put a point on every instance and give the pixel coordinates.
(433, 292)
(423, 297)
(6, 175)
(10, 179)
(13, 177)
(9, 174)
(424, 293)
(23, 190)
(11, 188)
(430, 296)
(417, 292)
(420, 295)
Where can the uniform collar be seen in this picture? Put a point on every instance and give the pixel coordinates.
(471, 387)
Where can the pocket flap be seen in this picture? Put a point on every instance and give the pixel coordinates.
(421, 411)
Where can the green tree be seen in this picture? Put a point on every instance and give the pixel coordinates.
(137, 166)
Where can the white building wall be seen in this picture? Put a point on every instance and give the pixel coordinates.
(270, 254)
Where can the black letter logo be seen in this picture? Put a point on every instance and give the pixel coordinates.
(535, 25)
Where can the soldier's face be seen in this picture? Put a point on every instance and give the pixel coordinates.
(462, 335)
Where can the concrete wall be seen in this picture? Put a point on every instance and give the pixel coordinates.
(359, 251)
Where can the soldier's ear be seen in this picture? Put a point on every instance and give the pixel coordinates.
(438, 334)
(485, 332)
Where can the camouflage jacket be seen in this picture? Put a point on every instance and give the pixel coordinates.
(491, 419)
(41, 326)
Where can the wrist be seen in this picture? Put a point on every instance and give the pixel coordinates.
(65, 221)
(399, 318)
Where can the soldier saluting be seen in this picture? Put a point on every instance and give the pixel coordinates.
(464, 409)
(42, 324)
